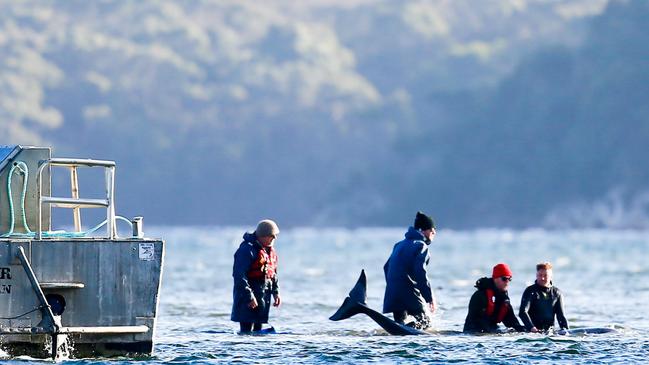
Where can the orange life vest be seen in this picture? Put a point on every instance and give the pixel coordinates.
(264, 266)
(491, 306)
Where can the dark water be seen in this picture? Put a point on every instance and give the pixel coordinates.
(604, 276)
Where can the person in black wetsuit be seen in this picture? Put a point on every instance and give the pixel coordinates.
(490, 304)
(541, 302)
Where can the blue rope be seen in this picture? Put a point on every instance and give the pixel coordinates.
(22, 167)
(64, 234)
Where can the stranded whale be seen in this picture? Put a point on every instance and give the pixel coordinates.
(355, 304)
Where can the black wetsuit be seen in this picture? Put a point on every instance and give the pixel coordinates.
(479, 320)
(539, 305)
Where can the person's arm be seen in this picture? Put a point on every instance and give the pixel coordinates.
(386, 267)
(526, 302)
(420, 275)
(558, 310)
(275, 289)
(478, 312)
(275, 286)
(277, 300)
(242, 261)
(510, 319)
(433, 304)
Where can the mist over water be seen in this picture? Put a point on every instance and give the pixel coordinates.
(615, 211)
(603, 274)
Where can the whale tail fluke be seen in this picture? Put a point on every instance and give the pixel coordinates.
(347, 309)
(359, 291)
(354, 303)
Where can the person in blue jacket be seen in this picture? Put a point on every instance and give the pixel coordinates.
(255, 277)
(408, 290)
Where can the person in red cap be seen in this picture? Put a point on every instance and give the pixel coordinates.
(490, 304)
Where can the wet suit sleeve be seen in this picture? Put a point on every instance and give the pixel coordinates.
(242, 261)
(558, 310)
(477, 320)
(419, 274)
(526, 302)
(511, 321)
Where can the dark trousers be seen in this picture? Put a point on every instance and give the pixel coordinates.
(249, 326)
(422, 321)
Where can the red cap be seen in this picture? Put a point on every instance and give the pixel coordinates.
(501, 270)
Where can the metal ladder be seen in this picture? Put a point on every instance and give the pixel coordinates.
(75, 203)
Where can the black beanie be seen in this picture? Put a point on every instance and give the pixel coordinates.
(423, 222)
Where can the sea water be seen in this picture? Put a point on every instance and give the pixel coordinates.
(603, 274)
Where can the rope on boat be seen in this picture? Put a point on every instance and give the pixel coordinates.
(26, 313)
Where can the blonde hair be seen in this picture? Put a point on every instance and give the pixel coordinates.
(543, 266)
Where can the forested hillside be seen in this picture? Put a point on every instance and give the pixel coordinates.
(495, 113)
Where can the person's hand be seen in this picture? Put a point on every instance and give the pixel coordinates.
(432, 307)
(253, 303)
(534, 329)
(277, 301)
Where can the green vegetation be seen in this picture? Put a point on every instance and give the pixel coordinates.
(342, 113)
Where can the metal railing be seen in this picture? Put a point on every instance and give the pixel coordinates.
(75, 202)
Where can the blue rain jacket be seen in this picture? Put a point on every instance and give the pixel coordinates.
(407, 286)
(244, 289)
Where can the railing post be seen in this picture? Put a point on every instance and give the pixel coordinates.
(110, 195)
(74, 185)
(39, 183)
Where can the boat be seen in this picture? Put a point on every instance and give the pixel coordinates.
(83, 293)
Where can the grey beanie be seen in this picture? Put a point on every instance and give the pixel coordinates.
(267, 228)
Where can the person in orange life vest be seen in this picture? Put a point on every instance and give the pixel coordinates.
(490, 304)
(542, 301)
(255, 277)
